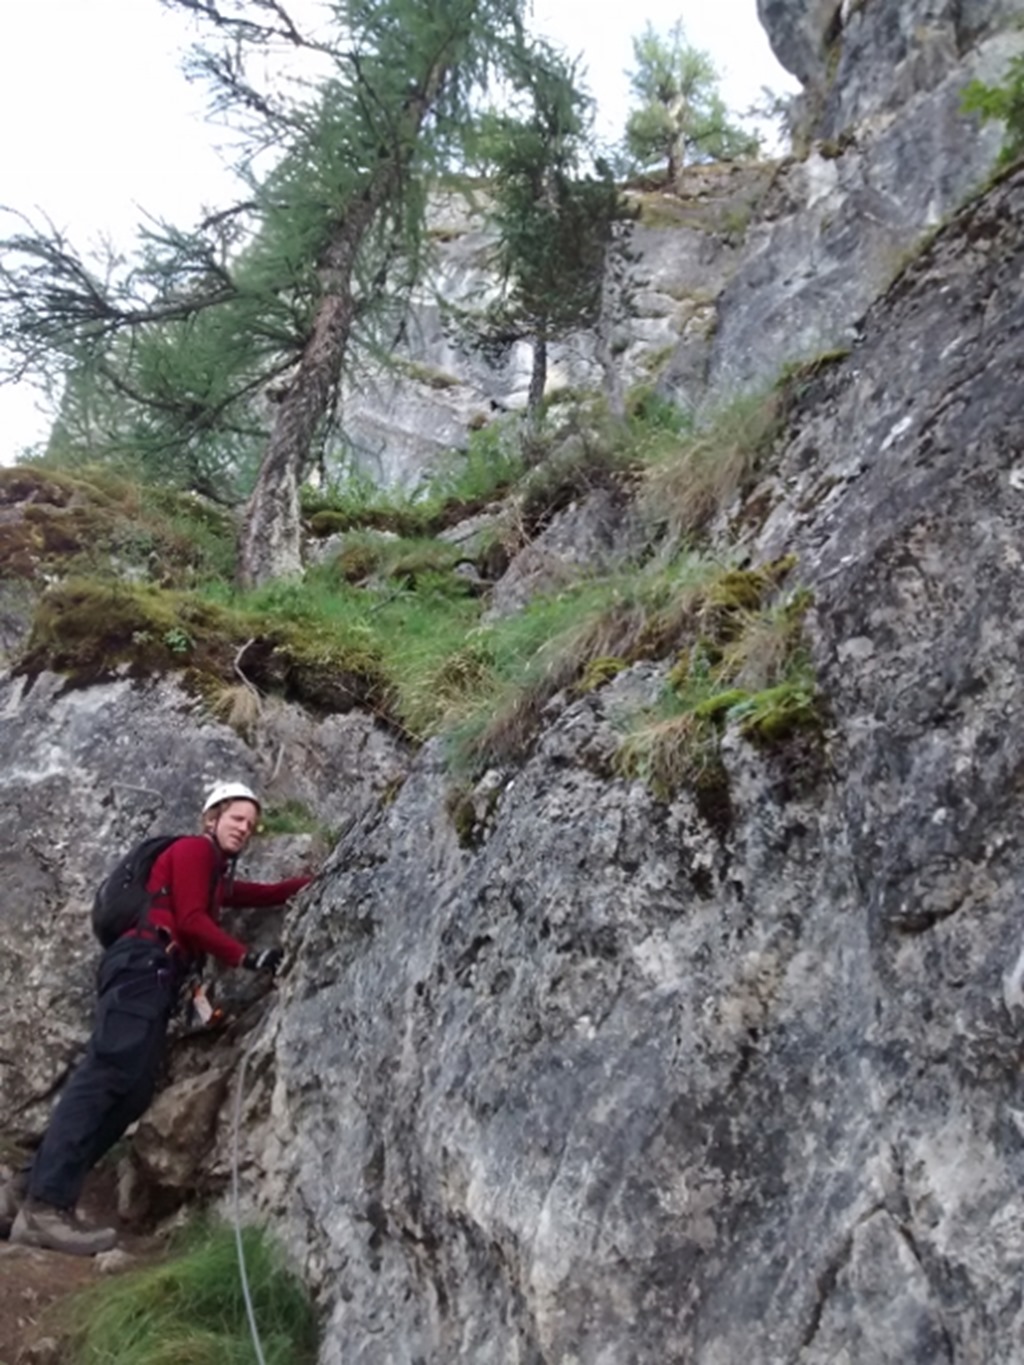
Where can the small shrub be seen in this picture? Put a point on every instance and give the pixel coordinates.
(649, 412)
(489, 465)
(1004, 103)
(291, 817)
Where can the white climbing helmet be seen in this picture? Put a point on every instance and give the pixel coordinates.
(231, 791)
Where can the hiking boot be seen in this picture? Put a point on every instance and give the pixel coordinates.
(53, 1229)
(13, 1193)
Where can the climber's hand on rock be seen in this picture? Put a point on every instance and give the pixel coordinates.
(264, 960)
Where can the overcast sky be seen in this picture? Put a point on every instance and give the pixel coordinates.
(100, 126)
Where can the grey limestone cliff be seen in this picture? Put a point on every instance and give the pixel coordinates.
(615, 1085)
(741, 269)
(608, 1079)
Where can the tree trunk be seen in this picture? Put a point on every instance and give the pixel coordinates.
(269, 545)
(538, 383)
(270, 539)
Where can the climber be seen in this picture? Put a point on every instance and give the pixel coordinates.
(137, 981)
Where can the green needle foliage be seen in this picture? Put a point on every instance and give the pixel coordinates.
(1004, 102)
(557, 225)
(215, 356)
(190, 1310)
(682, 118)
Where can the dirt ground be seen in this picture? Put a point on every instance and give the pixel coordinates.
(36, 1285)
(32, 1285)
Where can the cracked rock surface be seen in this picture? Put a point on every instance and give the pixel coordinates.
(609, 1084)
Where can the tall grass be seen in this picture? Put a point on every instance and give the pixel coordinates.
(191, 1311)
(563, 641)
(692, 479)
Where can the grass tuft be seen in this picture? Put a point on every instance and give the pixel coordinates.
(747, 665)
(191, 1311)
(686, 488)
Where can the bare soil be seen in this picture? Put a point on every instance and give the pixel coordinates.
(35, 1286)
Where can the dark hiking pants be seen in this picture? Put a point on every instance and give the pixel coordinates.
(114, 1082)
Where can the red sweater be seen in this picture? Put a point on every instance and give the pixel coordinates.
(185, 872)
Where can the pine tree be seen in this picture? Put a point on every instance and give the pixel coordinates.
(175, 351)
(682, 117)
(556, 226)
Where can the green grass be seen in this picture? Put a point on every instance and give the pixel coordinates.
(463, 481)
(409, 617)
(390, 626)
(573, 639)
(190, 1310)
(691, 477)
(746, 665)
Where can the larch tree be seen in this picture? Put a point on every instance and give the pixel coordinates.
(173, 349)
(557, 220)
(682, 117)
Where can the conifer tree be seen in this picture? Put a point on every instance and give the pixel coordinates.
(682, 117)
(176, 351)
(556, 225)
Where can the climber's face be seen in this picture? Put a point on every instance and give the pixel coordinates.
(235, 825)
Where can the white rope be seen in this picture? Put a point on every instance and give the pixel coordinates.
(236, 1143)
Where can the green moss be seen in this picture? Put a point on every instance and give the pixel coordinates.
(89, 629)
(327, 671)
(359, 558)
(423, 562)
(328, 522)
(770, 716)
(600, 671)
(720, 704)
(103, 526)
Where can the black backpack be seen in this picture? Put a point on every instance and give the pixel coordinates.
(122, 901)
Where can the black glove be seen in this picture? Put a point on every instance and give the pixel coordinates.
(265, 960)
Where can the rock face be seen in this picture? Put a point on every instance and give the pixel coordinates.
(613, 1084)
(87, 773)
(859, 59)
(749, 267)
(601, 1079)
(890, 157)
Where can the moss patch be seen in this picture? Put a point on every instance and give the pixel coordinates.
(747, 666)
(92, 631)
(57, 524)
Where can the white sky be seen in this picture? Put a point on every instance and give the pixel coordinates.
(100, 126)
